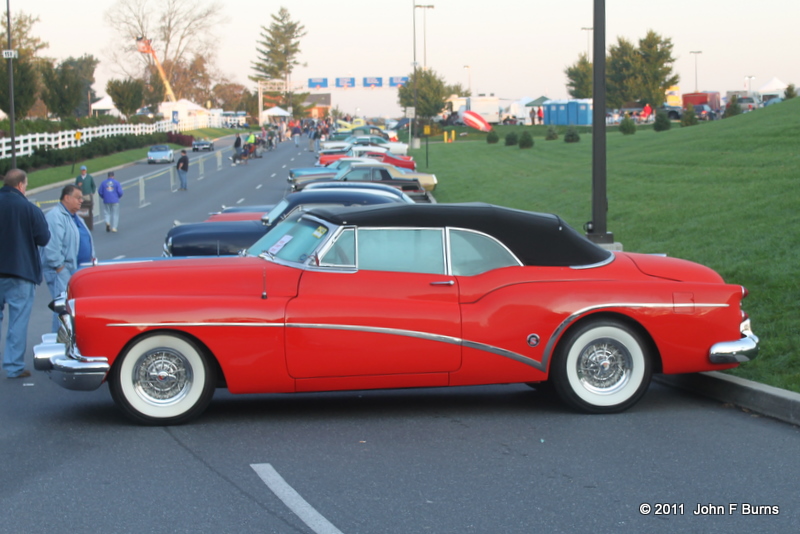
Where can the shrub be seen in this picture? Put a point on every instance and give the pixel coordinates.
(662, 122)
(492, 137)
(552, 134)
(572, 136)
(733, 108)
(512, 138)
(689, 117)
(790, 92)
(627, 126)
(526, 140)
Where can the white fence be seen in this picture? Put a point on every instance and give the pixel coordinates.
(25, 144)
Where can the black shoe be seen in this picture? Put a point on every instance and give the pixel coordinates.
(24, 374)
(108, 227)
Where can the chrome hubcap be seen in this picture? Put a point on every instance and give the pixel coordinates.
(604, 366)
(162, 376)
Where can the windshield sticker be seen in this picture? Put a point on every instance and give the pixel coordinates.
(320, 231)
(274, 249)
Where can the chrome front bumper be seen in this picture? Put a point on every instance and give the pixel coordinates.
(739, 351)
(70, 371)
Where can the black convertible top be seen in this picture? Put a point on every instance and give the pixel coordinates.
(535, 238)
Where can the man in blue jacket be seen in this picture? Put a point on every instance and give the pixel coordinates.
(70, 243)
(24, 231)
(111, 191)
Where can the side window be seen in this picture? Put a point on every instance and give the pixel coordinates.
(472, 253)
(358, 175)
(343, 251)
(382, 174)
(401, 250)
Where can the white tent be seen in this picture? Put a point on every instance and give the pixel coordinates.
(773, 88)
(105, 106)
(277, 111)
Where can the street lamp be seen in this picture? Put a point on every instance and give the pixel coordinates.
(696, 53)
(424, 33)
(11, 89)
(588, 36)
(414, 117)
(749, 83)
(469, 79)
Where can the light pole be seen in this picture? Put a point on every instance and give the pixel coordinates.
(696, 53)
(588, 36)
(11, 89)
(424, 33)
(469, 79)
(749, 83)
(414, 117)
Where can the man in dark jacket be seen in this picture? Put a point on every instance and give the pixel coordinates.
(86, 183)
(183, 170)
(24, 231)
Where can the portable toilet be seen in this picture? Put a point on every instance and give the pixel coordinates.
(584, 111)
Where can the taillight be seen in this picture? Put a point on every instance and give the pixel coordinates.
(745, 292)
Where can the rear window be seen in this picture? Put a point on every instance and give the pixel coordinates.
(159, 148)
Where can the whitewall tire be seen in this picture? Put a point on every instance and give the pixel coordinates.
(602, 367)
(163, 379)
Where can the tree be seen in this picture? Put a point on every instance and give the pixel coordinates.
(580, 78)
(84, 68)
(25, 87)
(127, 95)
(790, 92)
(431, 93)
(624, 63)
(178, 29)
(655, 69)
(456, 89)
(154, 89)
(63, 89)
(278, 52)
(22, 38)
(228, 95)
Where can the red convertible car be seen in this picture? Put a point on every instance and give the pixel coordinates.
(396, 296)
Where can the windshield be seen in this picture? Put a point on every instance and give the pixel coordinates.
(159, 148)
(291, 240)
(275, 213)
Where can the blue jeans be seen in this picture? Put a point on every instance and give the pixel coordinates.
(182, 175)
(57, 284)
(18, 294)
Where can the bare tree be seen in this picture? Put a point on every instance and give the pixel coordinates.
(180, 30)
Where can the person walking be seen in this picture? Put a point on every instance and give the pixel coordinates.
(111, 192)
(24, 231)
(296, 135)
(70, 243)
(183, 169)
(540, 114)
(85, 182)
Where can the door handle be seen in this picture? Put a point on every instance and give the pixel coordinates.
(443, 283)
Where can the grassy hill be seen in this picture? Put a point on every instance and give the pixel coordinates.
(725, 194)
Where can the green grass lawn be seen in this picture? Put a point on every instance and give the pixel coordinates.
(720, 194)
(54, 175)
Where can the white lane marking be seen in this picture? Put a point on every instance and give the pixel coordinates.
(259, 186)
(240, 201)
(293, 500)
(285, 165)
(119, 257)
(274, 174)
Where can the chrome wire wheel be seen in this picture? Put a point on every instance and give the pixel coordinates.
(162, 376)
(601, 366)
(604, 366)
(162, 379)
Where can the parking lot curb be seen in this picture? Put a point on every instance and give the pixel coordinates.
(762, 399)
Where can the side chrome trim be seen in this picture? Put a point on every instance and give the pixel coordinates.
(146, 325)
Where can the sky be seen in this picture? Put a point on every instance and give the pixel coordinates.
(514, 48)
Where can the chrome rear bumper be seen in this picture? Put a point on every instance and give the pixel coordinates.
(738, 351)
(70, 371)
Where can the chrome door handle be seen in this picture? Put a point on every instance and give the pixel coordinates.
(445, 283)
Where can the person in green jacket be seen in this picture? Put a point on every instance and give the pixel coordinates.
(85, 182)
